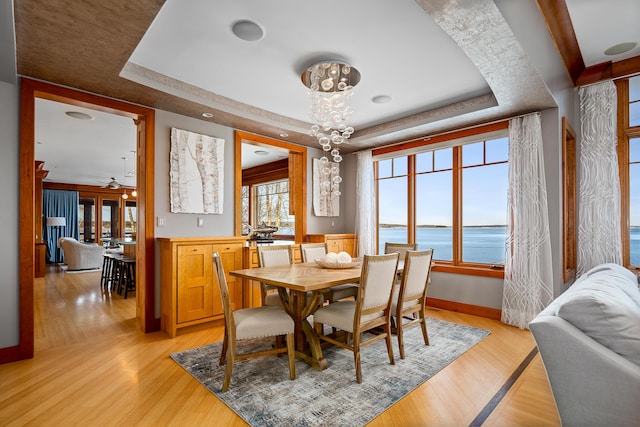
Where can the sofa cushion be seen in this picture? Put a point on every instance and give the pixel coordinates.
(616, 275)
(607, 314)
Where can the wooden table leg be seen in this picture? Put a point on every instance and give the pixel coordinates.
(307, 342)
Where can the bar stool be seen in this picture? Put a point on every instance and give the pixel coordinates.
(127, 276)
(115, 271)
(109, 273)
(107, 264)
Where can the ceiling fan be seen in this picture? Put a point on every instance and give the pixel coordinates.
(114, 185)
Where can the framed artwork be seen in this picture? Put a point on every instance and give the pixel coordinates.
(196, 173)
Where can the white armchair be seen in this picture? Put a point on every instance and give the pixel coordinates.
(81, 256)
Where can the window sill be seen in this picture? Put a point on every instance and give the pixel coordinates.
(487, 271)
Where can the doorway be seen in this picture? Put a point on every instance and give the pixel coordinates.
(144, 119)
(297, 178)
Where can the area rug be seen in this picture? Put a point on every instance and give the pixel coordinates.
(262, 394)
(89, 270)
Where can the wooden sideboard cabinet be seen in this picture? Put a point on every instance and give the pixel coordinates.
(189, 287)
(336, 242)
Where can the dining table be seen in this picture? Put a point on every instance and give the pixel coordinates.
(294, 281)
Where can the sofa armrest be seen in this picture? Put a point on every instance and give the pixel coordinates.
(591, 384)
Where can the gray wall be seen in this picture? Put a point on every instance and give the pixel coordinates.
(181, 224)
(185, 225)
(9, 212)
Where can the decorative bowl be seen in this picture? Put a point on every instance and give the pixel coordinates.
(339, 265)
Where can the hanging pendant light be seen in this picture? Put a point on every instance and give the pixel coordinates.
(134, 193)
(330, 84)
(124, 178)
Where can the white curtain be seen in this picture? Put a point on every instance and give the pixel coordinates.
(528, 275)
(599, 239)
(365, 204)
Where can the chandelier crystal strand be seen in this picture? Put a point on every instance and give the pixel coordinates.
(330, 87)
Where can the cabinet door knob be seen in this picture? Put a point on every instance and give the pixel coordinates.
(195, 249)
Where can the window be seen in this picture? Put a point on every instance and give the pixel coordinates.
(392, 186)
(110, 210)
(268, 203)
(130, 220)
(245, 209)
(629, 163)
(434, 211)
(87, 219)
(449, 193)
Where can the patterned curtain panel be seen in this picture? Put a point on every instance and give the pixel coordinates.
(365, 216)
(59, 203)
(528, 274)
(599, 236)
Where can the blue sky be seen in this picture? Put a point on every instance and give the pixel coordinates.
(484, 188)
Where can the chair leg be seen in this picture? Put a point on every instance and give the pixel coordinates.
(291, 352)
(423, 323)
(399, 332)
(356, 357)
(387, 339)
(231, 355)
(223, 353)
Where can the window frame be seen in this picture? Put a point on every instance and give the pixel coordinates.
(625, 134)
(451, 139)
(569, 203)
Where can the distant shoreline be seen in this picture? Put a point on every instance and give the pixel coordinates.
(633, 227)
(440, 226)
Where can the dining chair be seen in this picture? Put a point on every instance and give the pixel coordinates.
(271, 256)
(371, 309)
(410, 297)
(313, 251)
(400, 249)
(248, 323)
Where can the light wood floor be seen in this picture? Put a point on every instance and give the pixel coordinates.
(92, 367)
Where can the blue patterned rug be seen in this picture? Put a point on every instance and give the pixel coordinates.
(263, 395)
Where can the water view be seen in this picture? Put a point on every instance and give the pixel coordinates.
(480, 244)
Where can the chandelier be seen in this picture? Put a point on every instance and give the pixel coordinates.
(330, 86)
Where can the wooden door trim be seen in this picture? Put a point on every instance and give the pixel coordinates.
(298, 188)
(29, 91)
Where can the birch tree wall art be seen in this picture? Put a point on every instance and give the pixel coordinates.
(196, 172)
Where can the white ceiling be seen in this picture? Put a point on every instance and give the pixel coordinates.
(443, 63)
(85, 152)
(600, 25)
(192, 42)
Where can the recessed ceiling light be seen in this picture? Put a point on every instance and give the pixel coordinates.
(261, 152)
(284, 135)
(381, 99)
(620, 48)
(78, 115)
(207, 115)
(247, 30)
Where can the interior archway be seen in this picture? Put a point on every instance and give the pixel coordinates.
(145, 121)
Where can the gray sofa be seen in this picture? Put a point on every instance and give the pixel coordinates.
(589, 341)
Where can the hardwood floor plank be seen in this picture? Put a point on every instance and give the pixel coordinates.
(92, 367)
